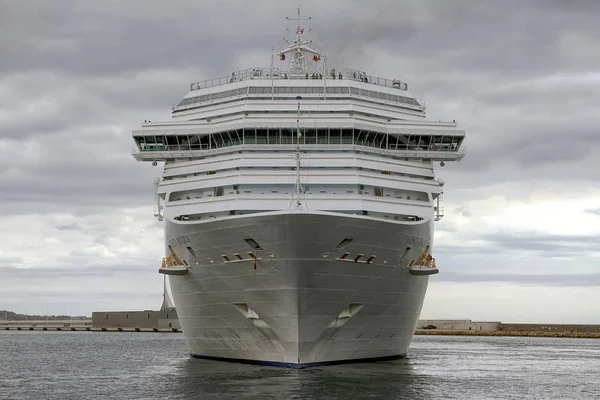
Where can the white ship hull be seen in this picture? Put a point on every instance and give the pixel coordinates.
(343, 276)
(298, 306)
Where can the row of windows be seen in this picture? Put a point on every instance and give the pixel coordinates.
(276, 169)
(215, 215)
(309, 90)
(278, 136)
(377, 191)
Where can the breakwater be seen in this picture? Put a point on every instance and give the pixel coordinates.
(530, 330)
(149, 321)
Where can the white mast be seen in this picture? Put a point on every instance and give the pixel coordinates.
(299, 50)
(298, 191)
(272, 68)
(298, 188)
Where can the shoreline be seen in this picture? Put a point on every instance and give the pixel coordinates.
(87, 329)
(418, 332)
(445, 332)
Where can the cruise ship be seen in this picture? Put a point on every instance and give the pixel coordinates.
(299, 203)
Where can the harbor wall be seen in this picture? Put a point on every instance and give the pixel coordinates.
(47, 324)
(459, 325)
(549, 328)
(147, 319)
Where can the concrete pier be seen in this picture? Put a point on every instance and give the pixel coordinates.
(147, 321)
(48, 325)
(487, 328)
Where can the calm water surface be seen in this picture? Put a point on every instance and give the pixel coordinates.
(91, 365)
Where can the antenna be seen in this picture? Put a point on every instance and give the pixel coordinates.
(299, 49)
(271, 72)
(299, 30)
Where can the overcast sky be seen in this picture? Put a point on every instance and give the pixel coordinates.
(520, 240)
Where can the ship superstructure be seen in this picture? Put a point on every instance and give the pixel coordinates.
(299, 204)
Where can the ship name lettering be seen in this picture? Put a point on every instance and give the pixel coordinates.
(179, 240)
(417, 241)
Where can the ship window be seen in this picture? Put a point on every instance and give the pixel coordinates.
(347, 136)
(335, 136)
(310, 136)
(273, 136)
(378, 191)
(261, 136)
(218, 191)
(249, 136)
(287, 136)
(252, 243)
(343, 243)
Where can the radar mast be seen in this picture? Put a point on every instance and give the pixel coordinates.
(299, 51)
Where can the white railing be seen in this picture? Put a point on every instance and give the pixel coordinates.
(329, 74)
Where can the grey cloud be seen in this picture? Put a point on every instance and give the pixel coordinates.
(136, 285)
(548, 245)
(502, 38)
(10, 261)
(68, 227)
(109, 38)
(73, 168)
(497, 249)
(106, 38)
(42, 103)
(85, 269)
(466, 249)
(91, 68)
(593, 211)
(549, 279)
(77, 77)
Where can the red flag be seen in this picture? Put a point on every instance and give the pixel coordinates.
(316, 58)
(301, 30)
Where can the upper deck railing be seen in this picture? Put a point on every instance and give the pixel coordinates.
(277, 74)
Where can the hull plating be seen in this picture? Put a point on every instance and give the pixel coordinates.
(298, 306)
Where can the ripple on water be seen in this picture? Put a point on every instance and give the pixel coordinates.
(94, 365)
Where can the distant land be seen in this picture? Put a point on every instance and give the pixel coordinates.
(13, 316)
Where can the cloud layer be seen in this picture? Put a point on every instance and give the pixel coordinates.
(522, 209)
